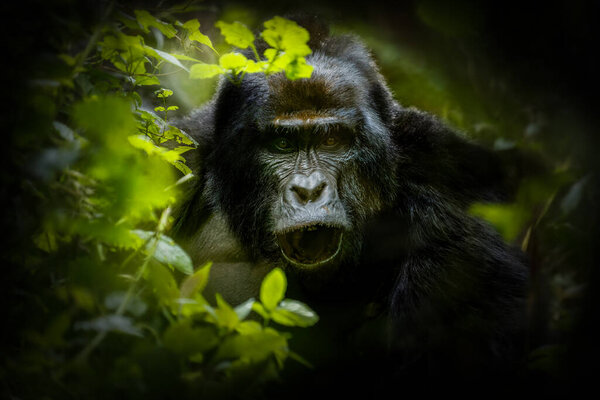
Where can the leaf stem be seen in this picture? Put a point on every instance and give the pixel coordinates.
(253, 47)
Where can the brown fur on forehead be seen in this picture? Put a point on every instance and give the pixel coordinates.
(312, 96)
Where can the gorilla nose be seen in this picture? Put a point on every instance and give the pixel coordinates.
(308, 189)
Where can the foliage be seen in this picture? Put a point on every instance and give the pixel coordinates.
(288, 49)
(124, 291)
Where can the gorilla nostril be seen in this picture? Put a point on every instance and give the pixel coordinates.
(319, 190)
(307, 193)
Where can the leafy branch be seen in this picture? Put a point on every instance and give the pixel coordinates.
(287, 52)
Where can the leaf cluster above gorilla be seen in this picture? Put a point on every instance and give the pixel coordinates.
(364, 203)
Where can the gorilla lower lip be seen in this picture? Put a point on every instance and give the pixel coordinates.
(310, 246)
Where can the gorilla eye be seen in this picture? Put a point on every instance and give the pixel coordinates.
(283, 144)
(330, 141)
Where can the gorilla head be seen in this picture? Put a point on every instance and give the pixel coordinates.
(298, 167)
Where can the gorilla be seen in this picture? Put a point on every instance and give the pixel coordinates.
(364, 203)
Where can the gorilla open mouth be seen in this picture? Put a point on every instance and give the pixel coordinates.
(310, 246)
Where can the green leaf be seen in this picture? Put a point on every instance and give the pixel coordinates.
(180, 136)
(248, 327)
(243, 310)
(204, 71)
(184, 339)
(260, 310)
(233, 61)
(184, 57)
(111, 322)
(163, 93)
(236, 34)
(225, 314)
(298, 69)
(193, 28)
(286, 35)
(253, 66)
(277, 61)
(196, 282)
(203, 39)
(68, 59)
(64, 131)
(167, 252)
(185, 170)
(289, 46)
(254, 347)
(132, 46)
(182, 149)
(573, 197)
(147, 20)
(273, 289)
(162, 55)
(191, 25)
(143, 142)
(161, 281)
(294, 313)
(146, 80)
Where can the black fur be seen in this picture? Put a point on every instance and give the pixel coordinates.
(422, 288)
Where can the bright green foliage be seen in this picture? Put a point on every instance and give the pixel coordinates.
(233, 61)
(189, 341)
(273, 289)
(287, 53)
(205, 71)
(286, 36)
(283, 311)
(147, 20)
(236, 34)
(166, 251)
(196, 283)
(163, 93)
(110, 174)
(294, 313)
(193, 28)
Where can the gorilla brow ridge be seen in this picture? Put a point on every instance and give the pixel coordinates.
(319, 121)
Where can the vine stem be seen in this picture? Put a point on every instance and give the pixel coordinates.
(253, 47)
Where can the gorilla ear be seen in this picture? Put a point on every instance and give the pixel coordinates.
(435, 155)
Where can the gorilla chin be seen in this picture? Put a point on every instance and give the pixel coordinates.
(310, 246)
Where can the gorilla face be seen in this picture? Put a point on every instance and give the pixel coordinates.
(310, 217)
